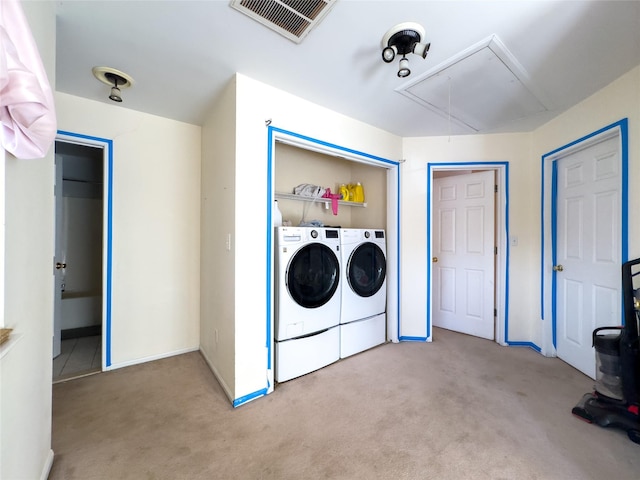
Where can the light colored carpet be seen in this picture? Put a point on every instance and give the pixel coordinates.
(458, 408)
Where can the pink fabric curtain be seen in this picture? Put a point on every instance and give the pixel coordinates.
(27, 112)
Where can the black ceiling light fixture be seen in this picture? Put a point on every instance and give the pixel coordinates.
(115, 79)
(402, 39)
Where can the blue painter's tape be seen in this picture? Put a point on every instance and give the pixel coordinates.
(542, 219)
(270, 233)
(621, 123)
(247, 398)
(624, 253)
(108, 144)
(334, 146)
(624, 135)
(525, 344)
(109, 253)
(430, 167)
(508, 252)
(86, 137)
(623, 126)
(398, 256)
(412, 339)
(427, 306)
(554, 250)
(271, 131)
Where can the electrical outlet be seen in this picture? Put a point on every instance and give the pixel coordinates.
(228, 242)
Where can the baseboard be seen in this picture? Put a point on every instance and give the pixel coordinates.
(80, 332)
(152, 358)
(216, 374)
(46, 470)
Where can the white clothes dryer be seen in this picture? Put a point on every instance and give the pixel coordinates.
(364, 292)
(307, 300)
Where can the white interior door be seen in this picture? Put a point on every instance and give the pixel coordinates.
(59, 260)
(588, 250)
(464, 253)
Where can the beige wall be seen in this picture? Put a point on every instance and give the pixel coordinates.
(618, 100)
(218, 277)
(26, 369)
(156, 227)
(523, 210)
(294, 166)
(374, 182)
(256, 103)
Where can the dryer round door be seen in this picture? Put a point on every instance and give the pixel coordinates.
(313, 275)
(367, 269)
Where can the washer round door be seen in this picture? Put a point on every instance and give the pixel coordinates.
(313, 275)
(367, 269)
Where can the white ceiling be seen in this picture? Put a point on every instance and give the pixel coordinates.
(182, 53)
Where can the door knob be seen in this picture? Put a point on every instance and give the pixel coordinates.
(558, 268)
(60, 265)
(435, 259)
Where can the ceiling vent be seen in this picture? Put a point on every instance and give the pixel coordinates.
(480, 89)
(293, 19)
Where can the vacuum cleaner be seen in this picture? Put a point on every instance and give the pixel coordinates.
(616, 396)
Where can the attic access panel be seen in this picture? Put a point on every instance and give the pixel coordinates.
(482, 88)
(293, 19)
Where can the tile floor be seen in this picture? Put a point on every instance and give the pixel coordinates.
(78, 356)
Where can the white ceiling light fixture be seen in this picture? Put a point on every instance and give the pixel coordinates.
(404, 38)
(403, 68)
(115, 79)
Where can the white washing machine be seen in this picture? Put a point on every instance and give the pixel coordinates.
(307, 300)
(364, 289)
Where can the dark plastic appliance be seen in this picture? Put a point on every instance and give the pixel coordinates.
(616, 396)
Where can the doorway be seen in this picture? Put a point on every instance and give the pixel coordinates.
(80, 346)
(391, 181)
(586, 196)
(463, 261)
(495, 319)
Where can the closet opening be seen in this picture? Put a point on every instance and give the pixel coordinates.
(80, 341)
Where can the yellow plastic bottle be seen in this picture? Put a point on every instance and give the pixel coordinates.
(351, 191)
(344, 192)
(358, 193)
